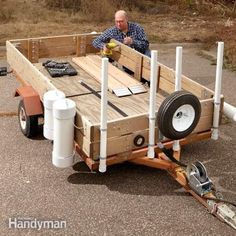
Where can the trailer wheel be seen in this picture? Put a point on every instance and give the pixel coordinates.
(178, 115)
(28, 124)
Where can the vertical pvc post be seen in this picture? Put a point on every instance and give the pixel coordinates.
(178, 68)
(178, 75)
(103, 126)
(220, 54)
(152, 104)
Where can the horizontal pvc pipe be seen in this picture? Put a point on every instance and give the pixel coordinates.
(152, 104)
(229, 111)
(103, 126)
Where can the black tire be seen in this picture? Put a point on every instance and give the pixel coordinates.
(170, 114)
(28, 124)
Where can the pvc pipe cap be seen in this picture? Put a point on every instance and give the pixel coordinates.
(51, 96)
(64, 109)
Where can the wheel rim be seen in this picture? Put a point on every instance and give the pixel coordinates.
(183, 118)
(22, 118)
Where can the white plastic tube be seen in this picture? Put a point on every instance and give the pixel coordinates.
(63, 144)
(103, 126)
(48, 99)
(229, 111)
(178, 86)
(216, 114)
(152, 104)
(178, 68)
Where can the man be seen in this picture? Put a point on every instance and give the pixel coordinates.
(129, 33)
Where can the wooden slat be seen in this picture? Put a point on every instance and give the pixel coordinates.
(138, 67)
(33, 50)
(56, 46)
(127, 57)
(71, 85)
(137, 109)
(90, 106)
(136, 104)
(204, 124)
(81, 46)
(116, 73)
(27, 71)
(115, 145)
(122, 126)
(95, 72)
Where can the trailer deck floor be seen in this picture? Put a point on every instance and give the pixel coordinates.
(87, 104)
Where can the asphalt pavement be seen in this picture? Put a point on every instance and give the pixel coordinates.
(126, 200)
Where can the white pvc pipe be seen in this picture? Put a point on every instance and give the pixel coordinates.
(103, 126)
(178, 68)
(229, 111)
(178, 86)
(152, 104)
(220, 53)
(63, 123)
(48, 99)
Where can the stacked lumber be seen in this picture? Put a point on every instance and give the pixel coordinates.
(119, 82)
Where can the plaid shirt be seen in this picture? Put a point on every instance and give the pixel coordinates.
(135, 31)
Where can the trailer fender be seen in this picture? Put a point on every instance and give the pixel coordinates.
(31, 100)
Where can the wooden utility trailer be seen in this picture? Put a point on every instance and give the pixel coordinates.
(128, 117)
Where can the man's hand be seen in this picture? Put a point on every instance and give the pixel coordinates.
(105, 49)
(128, 40)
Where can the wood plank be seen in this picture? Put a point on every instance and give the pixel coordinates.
(70, 85)
(80, 46)
(138, 67)
(25, 69)
(140, 121)
(56, 46)
(33, 50)
(204, 124)
(115, 145)
(127, 57)
(136, 107)
(115, 72)
(90, 106)
(95, 72)
(122, 126)
(136, 104)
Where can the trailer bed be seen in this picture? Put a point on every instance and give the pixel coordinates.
(128, 115)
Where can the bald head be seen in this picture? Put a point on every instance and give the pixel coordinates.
(121, 20)
(121, 13)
